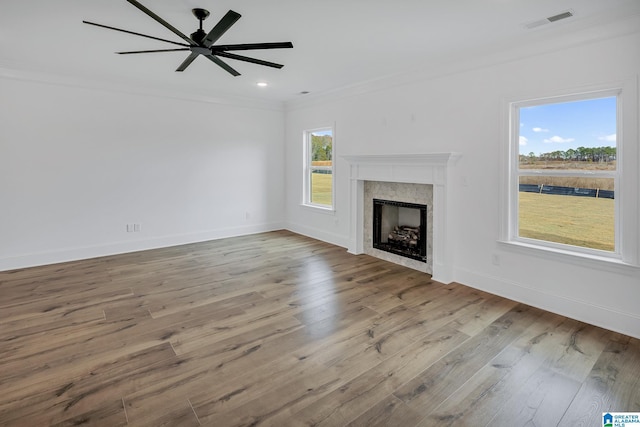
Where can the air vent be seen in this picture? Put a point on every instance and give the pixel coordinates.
(562, 15)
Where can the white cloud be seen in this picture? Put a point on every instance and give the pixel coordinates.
(523, 140)
(558, 139)
(608, 138)
(540, 130)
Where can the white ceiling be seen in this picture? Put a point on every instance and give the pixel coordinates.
(337, 43)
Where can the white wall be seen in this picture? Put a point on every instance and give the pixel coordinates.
(463, 112)
(77, 164)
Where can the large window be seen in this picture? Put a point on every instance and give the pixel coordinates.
(318, 168)
(565, 173)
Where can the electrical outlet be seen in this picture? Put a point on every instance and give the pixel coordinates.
(133, 228)
(495, 259)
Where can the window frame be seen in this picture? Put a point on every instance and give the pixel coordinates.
(627, 221)
(308, 168)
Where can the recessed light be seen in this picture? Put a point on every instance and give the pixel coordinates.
(262, 84)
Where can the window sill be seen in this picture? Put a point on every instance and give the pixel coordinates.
(596, 262)
(319, 209)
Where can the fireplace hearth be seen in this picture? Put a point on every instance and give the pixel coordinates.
(400, 228)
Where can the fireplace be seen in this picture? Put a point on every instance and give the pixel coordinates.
(411, 172)
(400, 228)
(399, 195)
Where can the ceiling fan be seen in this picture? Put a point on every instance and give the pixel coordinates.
(202, 43)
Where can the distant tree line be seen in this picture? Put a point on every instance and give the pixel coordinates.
(580, 154)
(321, 147)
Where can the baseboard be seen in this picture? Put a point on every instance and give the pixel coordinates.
(114, 248)
(584, 311)
(319, 234)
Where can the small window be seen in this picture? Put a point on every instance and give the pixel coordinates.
(565, 174)
(318, 169)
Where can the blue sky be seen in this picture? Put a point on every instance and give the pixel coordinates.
(551, 127)
(323, 132)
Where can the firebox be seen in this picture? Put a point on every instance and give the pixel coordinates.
(400, 228)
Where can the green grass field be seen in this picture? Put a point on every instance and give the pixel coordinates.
(321, 189)
(578, 221)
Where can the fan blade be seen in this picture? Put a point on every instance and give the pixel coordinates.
(221, 27)
(251, 46)
(187, 61)
(152, 51)
(134, 33)
(247, 59)
(222, 64)
(162, 22)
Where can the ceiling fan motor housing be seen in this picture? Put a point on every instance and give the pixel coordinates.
(198, 36)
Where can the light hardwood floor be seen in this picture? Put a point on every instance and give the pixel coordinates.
(279, 329)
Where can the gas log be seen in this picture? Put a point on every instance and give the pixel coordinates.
(405, 236)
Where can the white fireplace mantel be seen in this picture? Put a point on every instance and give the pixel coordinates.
(434, 169)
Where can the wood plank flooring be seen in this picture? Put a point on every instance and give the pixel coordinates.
(277, 329)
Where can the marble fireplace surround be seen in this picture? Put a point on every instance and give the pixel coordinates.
(419, 194)
(434, 169)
